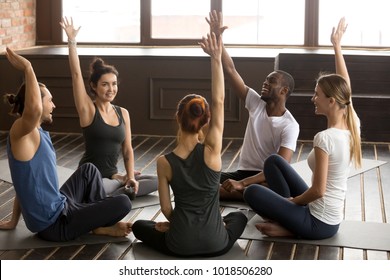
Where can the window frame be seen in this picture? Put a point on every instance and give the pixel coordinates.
(49, 32)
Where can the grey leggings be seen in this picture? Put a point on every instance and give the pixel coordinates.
(147, 185)
(271, 203)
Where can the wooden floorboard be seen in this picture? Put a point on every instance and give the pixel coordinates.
(368, 199)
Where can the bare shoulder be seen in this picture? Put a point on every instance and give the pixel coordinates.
(162, 161)
(124, 111)
(164, 171)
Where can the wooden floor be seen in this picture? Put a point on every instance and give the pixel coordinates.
(368, 199)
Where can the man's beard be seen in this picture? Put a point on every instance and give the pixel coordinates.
(47, 121)
(267, 98)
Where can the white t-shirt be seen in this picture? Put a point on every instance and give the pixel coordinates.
(265, 135)
(334, 142)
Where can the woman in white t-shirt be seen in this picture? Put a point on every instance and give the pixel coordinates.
(292, 207)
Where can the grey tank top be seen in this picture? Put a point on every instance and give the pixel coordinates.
(196, 226)
(103, 143)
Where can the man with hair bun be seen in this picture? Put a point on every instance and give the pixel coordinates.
(55, 214)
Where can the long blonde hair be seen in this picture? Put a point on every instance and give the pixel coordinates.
(334, 85)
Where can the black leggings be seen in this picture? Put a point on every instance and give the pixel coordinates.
(145, 231)
(272, 202)
(86, 207)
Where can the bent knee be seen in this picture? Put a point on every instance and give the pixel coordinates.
(123, 201)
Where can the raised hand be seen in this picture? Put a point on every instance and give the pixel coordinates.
(216, 23)
(212, 46)
(70, 30)
(17, 61)
(337, 33)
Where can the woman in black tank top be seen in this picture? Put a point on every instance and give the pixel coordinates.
(106, 128)
(195, 226)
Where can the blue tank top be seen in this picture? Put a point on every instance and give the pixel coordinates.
(36, 185)
(103, 143)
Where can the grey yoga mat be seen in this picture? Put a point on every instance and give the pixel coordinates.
(144, 252)
(351, 234)
(22, 238)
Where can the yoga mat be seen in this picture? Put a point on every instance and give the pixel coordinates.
(22, 238)
(144, 252)
(367, 164)
(234, 204)
(351, 234)
(145, 201)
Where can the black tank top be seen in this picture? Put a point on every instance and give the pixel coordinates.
(196, 226)
(103, 143)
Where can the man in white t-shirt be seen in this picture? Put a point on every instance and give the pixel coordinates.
(271, 128)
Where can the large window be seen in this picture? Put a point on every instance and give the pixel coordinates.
(368, 22)
(264, 22)
(300, 23)
(113, 21)
(179, 19)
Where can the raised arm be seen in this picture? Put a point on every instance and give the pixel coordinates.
(83, 102)
(213, 46)
(238, 84)
(31, 117)
(335, 38)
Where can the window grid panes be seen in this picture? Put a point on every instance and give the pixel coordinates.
(250, 22)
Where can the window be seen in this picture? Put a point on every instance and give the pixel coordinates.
(306, 23)
(251, 22)
(116, 22)
(179, 19)
(264, 22)
(368, 22)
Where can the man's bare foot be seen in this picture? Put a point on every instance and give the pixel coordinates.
(232, 196)
(273, 229)
(120, 229)
(162, 226)
(122, 178)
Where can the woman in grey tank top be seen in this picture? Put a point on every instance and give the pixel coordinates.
(195, 226)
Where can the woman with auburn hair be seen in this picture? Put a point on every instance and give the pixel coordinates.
(195, 226)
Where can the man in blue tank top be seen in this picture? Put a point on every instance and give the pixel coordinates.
(57, 214)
